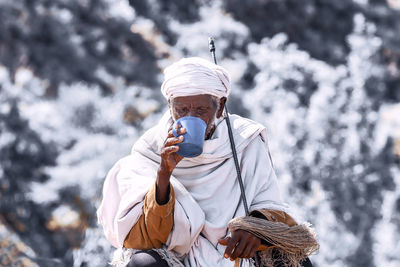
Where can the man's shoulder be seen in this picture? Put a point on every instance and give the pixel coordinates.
(238, 121)
(244, 132)
(246, 127)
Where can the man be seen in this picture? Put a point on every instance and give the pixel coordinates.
(161, 209)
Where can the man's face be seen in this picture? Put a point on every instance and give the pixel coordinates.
(205, 107)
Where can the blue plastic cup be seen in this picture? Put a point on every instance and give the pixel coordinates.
(193, 139)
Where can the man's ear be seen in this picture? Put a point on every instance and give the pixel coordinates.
(221, 107)
(170, 107)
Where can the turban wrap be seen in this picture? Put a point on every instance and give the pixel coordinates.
(195, 76)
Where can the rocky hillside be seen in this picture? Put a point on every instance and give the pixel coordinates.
(79, 83)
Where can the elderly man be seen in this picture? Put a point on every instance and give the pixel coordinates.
(161, 209)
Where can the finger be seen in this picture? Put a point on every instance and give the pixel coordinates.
(177, 128)
(231, 245)
(253, 244)
(224, 241)
(168, 150)
(179, 131)
(170, 132)
(247, 251)
(173, 140)
(239, 249)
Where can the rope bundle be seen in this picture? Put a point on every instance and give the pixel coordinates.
(294, 243)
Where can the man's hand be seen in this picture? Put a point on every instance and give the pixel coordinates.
(169, 160)
(241, 244)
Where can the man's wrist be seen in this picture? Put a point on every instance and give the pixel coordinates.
(163, 174)
(162, 186)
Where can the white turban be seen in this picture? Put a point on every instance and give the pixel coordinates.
(195, 76)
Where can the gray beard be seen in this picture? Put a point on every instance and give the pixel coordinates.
(210, 131)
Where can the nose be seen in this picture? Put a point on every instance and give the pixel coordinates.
(191, 113)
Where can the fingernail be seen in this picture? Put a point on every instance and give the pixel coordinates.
(226, 255)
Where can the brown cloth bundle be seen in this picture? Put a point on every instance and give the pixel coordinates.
(294, 243)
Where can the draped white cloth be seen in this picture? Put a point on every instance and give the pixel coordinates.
(206, 189)
(195, 76)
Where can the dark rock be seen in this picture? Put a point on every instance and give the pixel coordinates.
(13, 251)
(22, 160)
(235, 106)
(319, 27)
(181, 10)
(71, 52)
(247, 80)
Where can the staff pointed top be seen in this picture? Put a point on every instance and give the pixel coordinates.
(211, 46)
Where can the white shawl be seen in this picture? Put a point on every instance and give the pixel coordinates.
(206, 189)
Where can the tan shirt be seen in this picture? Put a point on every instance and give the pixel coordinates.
(154, 225)
(274, 216)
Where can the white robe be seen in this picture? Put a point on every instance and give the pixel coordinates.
(206, 189)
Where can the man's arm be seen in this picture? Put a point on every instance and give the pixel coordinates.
(156, 222)
(242, 244)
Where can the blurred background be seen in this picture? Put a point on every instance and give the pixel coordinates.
(79, 83)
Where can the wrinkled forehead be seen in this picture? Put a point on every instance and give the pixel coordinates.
(193, 100)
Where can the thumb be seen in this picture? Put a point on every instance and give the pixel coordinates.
(224, 241)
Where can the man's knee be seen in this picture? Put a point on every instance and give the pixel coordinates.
(146, 258)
